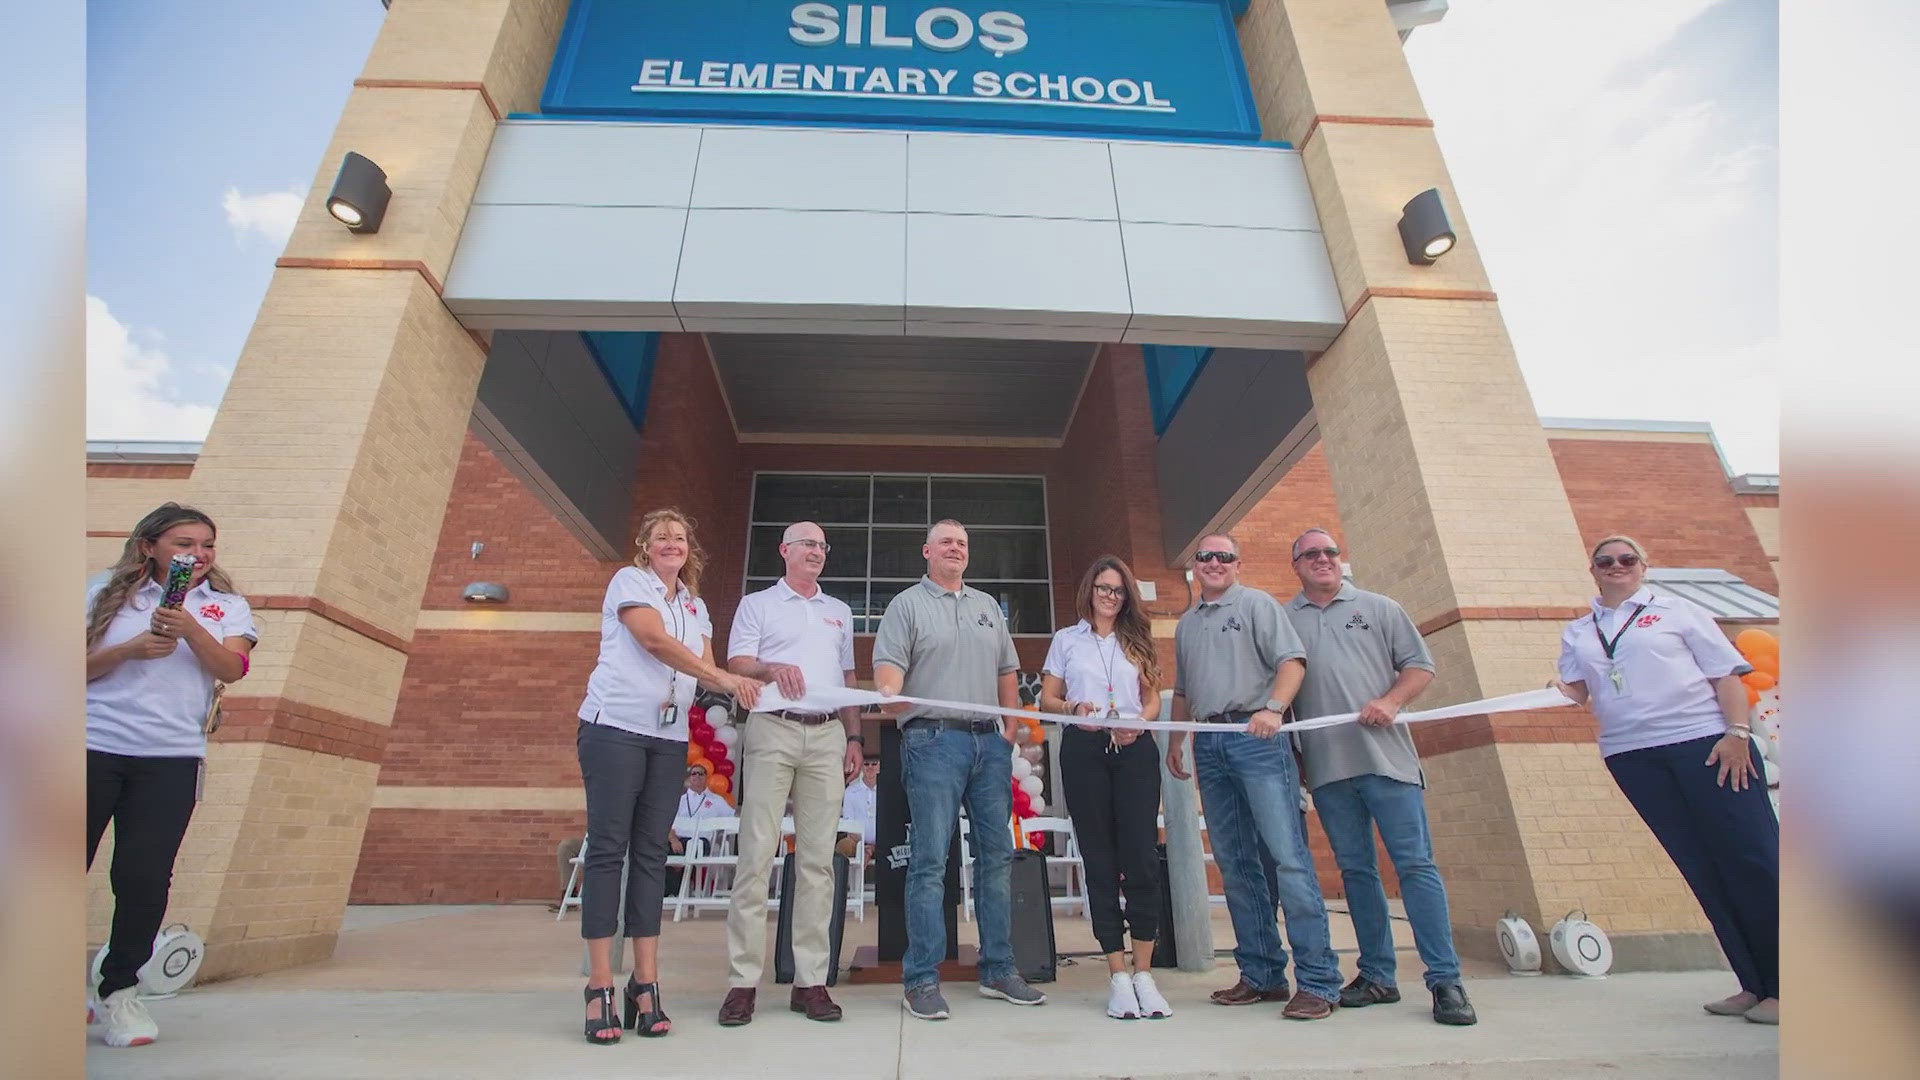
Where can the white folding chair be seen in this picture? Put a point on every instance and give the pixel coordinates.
(857, 871)
(570, 896)
(1069, 857)
(779, 863)
(708, 881)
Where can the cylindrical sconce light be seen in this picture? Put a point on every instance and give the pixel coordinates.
(485, 592)
(1425, 230)
(360, 193)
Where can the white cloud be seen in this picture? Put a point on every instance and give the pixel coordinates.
(1621, 189)
(270, 214)
(125, 395)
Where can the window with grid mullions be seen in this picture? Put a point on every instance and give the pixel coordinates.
(876, 524)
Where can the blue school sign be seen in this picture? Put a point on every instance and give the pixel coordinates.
(1165, 68)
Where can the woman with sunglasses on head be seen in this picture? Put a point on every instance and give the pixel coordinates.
(1664, 683)
(1104, 665)
(656, 645)
(153, 660)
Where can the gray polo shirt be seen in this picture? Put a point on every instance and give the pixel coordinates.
(1356, 647)
(1229, 650)
(952, 645)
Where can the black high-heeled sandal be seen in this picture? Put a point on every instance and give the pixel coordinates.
(608, 1020)
(646, 1024)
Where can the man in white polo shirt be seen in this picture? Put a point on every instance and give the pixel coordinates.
(797, 636)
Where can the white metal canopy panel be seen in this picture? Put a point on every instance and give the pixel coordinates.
(631, 226)
(1722, 593)
(801, 384)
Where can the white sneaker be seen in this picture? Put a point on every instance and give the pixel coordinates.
(1121, 1004)
(1152, 1005)
(126, 1019)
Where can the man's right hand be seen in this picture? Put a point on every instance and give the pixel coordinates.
(148, 645)
(789, 678)
(1176, 760)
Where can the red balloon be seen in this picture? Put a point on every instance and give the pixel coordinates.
(723, 767)
(716, 750)
(700, 730)
(1022, 803)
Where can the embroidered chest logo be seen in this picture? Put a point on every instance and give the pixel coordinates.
(833, 622)
(212, 611)
(984, 620)
(1358, 622)
(1646, 621)
(692, 609)
(1233, 623)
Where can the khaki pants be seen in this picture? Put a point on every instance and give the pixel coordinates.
(780, 757)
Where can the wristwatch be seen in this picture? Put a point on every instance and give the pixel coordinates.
(1275, 705)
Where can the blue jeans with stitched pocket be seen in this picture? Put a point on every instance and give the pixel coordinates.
(941, 768)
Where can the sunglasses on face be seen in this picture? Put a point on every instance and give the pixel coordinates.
(1605, 562)
(1312, 554)
(1112, 591)
(1215, 556)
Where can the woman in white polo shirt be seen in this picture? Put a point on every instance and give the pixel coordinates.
(151, 670)
(656, 644)
(1105, 665)
(1664, 683)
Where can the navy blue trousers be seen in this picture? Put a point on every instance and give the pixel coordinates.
(1726, 844)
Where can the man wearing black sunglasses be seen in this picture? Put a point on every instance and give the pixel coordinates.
(1241, 662)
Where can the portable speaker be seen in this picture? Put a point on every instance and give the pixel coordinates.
(1581, 947)
(1518, 945)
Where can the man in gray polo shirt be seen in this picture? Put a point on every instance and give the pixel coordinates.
(941, 639)
(1364, 656)
(1241, 662)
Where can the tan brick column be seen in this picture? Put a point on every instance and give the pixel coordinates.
(328, 468)
(1450, 502)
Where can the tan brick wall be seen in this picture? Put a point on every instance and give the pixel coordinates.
(115, 504)
(504, 44)
(1324, 57)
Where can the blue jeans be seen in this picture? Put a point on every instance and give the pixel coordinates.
(1349, 810)
(940, 767)
(1250, 790)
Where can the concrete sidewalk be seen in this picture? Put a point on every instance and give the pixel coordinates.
(475, 993)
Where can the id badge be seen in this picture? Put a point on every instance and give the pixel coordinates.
(669, 714)
(1618, 679)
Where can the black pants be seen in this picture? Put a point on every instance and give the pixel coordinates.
(1114, 799)
(149, 800)
(633, 785)
(1726, 844)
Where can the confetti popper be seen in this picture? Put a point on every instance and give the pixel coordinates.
(179, 577)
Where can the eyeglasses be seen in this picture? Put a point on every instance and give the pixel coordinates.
(1113, 591)
(1313, 554)
(1215, 556)
(696, 772)
(821, 544)
(1605, 562)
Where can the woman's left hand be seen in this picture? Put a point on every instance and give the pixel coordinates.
(1124, 737)
(1734, 754)
(175, 623)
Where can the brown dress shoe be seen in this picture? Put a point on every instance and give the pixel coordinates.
(1305, 1006)
(1244, 993)
(813, 1001)
(737, 1009)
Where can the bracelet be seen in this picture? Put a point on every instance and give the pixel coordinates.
(861, 739)
(1731, 728)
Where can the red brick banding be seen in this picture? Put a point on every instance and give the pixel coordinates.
(333, 615)
(1417, 294)
(301, 262)
(130, 470)
(300, 725)
(1381, 121)
(433, 84)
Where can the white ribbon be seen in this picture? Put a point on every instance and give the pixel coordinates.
(827, 699)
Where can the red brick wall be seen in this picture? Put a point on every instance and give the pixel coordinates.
(1673, 497)
(461, 856)
(1303, 499)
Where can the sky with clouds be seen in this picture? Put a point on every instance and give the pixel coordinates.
(1616, 162)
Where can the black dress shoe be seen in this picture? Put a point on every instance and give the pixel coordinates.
(1363, 991)
(1450, 1006)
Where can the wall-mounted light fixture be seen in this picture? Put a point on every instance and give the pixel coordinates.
(360, 193)
(485, 592)
(1425, 230)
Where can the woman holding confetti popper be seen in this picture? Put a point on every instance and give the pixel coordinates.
(164, 627)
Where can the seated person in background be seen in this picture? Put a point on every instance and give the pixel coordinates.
(696, 803)
(858, 805)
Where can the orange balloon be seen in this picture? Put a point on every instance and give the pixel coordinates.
(697, 756)
(1759, 680)
(1754, 642)
(1769, 665)
(720, 784)
(1753, 696)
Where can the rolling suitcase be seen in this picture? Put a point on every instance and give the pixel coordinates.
(836, 925)
(1033, 953)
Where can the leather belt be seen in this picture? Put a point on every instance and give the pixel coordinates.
(807, 718)
(956, 723)
(1234, 717)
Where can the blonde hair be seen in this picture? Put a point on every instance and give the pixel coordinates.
(137, 565)
(696, 557)
(1618, 539)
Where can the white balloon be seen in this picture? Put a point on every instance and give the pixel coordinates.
(1032, 785)
(1020, 734)
(1039, 806)
(727, 735)
(1031, 753)
(1022, 768)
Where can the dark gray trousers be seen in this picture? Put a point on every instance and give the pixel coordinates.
(633, 784)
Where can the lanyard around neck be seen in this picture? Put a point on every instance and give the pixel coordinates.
(1608, 647)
